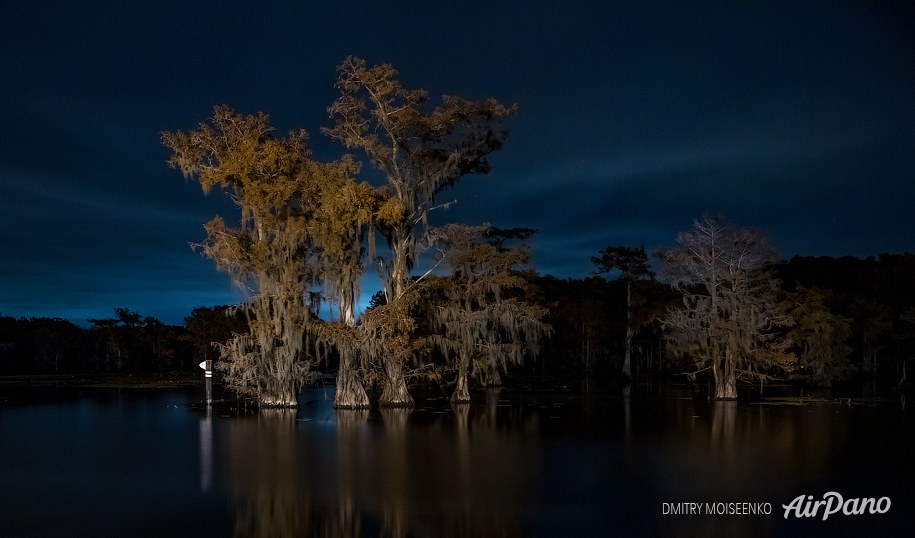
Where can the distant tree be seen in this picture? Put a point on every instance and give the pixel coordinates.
(117, 339)
(207, 325)
(632, 265)
(497, 237)
(421, 151)
(110, 338)
(820, 337)
(585, 328)
(159, 341)
(51, 339)
(874, 321)
(732, 318)
(906, 335)
(483, 325)
(874, 294)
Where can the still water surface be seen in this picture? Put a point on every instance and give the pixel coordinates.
(572, 461)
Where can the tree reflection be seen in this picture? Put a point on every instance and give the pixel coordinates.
(206, 450)
(265, 476)
(393, 472)
(723, 430)
(351, 425)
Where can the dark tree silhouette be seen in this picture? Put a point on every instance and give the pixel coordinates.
(632, 265)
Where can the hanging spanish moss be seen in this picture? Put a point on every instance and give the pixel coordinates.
(270, 254)
(484, 323)
(386, 336)
(422, 151)
(345, 218)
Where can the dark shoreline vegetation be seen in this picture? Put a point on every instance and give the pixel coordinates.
(873, 297)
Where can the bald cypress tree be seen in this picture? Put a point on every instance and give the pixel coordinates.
(484, 323)
(271, 252)
(421, 151)
(632, 265)
(732, 319)
(343, 223)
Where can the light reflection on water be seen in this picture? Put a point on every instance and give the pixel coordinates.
(563, 462)
(394, 472)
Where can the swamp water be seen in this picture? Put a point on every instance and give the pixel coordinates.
(97, 462)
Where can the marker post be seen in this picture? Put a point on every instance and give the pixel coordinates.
(208, 376)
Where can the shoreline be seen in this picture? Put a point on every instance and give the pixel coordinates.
(122, 380)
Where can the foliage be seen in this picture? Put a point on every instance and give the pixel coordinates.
(421, 151)
(206, 326)
(732, 317)
(874, 294)
(483, 326)
(820, 337)
(632, 266)
(271, 253)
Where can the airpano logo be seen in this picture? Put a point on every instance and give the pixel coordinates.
(833, 503)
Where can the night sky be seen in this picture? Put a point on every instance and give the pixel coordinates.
(635, 119)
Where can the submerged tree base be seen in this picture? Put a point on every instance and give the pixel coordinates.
(491, 378)
(395, 394)
(350, 393)
(726, 389)
(278, 401)
(461, 394)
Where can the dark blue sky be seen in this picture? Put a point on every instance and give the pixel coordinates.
(794, 117)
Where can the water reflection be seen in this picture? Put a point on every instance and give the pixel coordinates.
(544, 463)
(394, 472)
(206, 450)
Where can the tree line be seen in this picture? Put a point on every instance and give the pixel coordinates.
(850, 320)
(124, 343)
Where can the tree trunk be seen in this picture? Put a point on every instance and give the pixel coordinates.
(395, 393)
(350, 392)
(278, 398)
(725, 381)
(627, 360)
(461, 392)
(491, 377)
(399, 269)
(278, 387)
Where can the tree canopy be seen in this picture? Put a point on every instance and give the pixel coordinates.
(731, 318)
